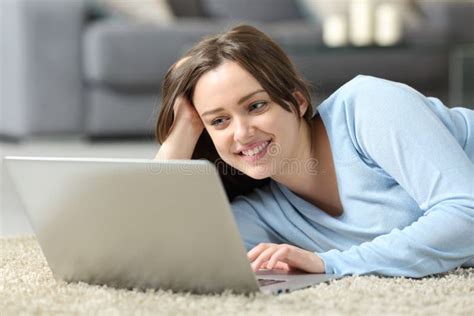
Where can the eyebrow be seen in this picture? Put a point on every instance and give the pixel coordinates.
(241, 100)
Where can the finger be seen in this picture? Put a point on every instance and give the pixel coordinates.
(264, 256)
(280, 255)
(255, 251)
(280, 266)
(264, 265)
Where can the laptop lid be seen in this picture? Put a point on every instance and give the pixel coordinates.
(134, 223)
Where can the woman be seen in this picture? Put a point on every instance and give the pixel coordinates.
(380, 179)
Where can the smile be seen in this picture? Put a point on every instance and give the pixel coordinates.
(255, 153)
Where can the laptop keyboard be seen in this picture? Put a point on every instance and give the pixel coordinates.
(263, 282)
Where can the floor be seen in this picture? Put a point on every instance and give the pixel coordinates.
(13, 220)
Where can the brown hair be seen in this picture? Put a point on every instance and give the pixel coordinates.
(259, 55)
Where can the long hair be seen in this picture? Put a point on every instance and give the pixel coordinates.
(259, 55)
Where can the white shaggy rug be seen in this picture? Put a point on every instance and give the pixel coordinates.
(28, 287)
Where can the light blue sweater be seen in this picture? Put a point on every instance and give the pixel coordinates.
(405, 171)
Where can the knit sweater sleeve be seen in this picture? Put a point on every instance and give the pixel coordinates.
(395, 129)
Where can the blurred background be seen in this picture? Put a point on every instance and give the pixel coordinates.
(82, 77)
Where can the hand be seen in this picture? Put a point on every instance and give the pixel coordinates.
(285, 257)
(184, 133)
(186, 114)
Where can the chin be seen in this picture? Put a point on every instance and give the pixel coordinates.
(255, 176)
(257, 172)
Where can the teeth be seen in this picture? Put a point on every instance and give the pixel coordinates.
(253, 152)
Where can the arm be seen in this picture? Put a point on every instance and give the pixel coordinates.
(252, 227)
(179, 144)
(185, 132)
(260, 217)
(395, 129)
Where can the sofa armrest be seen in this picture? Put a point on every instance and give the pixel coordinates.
(41, 88)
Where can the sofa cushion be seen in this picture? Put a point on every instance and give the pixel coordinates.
(444, 22)
(117, 112)
(424, 68)
(143, 11)
(253, 10)
(294, 34)
(121, 53)
(187, 8)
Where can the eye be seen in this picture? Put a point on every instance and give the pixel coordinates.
(257, 106)
(218, 121)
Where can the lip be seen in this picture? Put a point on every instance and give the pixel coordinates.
(258, 156)
(252, 146)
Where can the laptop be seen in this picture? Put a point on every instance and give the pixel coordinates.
(141, 224)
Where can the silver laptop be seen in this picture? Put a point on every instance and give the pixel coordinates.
(141, 224)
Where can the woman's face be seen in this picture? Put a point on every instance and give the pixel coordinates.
(250, 132)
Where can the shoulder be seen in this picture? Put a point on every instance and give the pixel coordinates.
(365, 97)
(366, 107)
(372, 89)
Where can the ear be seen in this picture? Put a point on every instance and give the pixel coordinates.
(302, 102)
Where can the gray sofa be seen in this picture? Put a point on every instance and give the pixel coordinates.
(64, 72)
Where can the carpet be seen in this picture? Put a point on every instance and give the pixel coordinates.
(28, 287)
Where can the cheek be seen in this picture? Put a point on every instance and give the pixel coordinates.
(222, 143)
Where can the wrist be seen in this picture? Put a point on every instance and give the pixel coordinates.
(180, 143)
(188, 127)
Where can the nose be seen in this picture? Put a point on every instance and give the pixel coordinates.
(243, 130)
